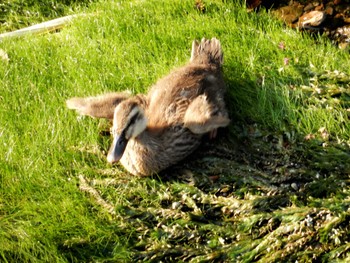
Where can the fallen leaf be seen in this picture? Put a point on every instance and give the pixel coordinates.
(309, 136)
(286, 61)
(3, 55)
(324, 133)
(282, 46)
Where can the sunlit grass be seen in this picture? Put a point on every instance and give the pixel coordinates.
(16, 14)
(128, 45)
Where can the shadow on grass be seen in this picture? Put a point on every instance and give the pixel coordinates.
(251, 185)
(279, 165)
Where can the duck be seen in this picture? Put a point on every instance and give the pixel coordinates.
(154, 131)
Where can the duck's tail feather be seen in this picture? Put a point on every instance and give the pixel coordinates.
(99, 106)
(207, 52)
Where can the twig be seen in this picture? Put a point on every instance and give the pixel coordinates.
(44, 27)
(84, 186)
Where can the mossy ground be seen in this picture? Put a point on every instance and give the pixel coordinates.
(274, 187)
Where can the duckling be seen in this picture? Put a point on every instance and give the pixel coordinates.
(156, 130)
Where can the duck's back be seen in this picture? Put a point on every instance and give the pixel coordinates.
(170, 97)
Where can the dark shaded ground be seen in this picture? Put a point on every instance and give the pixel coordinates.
(282, 164)
(253, 197)
(264, 189)
(328, 17)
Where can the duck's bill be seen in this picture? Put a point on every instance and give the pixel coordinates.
(117, 149)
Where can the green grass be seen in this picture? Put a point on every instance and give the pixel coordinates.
(119, 45)
(15, 14)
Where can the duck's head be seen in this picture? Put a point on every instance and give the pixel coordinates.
(128, 122)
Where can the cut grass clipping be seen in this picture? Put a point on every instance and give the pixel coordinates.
(274, 188)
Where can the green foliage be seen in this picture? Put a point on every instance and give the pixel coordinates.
(282, 86)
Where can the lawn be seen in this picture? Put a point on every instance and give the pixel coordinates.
(273, 188)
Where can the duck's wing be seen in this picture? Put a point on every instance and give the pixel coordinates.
(192, 95)
(207, 112)
(101, 106)
(203, 115)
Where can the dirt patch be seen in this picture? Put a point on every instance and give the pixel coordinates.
(329, 18)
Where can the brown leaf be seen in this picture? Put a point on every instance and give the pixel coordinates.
(251, 4)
